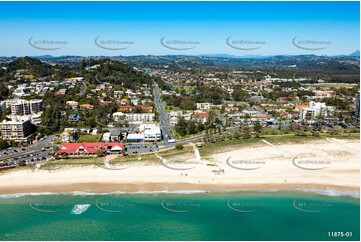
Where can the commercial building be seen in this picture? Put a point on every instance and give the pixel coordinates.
(90, 148)
(151, 132)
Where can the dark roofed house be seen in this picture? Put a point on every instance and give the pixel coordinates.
(116, 135)
(74, 117)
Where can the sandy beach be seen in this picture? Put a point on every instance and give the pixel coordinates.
(323, 164)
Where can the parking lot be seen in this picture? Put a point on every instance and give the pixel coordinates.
(139, 148)
(27, 154)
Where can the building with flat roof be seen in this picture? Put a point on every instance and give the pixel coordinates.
(17, 130)
(135, 138)
(134, 117)
(24, 107)
(314, 110)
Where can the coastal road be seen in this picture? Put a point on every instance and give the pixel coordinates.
(163, 119)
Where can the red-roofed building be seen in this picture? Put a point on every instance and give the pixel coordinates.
(260, 115)
(200, 117)
(146, 108)
(125, 108)
(90, 148)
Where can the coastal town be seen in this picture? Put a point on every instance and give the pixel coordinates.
(180, 120)
(164, 108)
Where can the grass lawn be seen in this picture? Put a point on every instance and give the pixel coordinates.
(89, 138)
(187, 88)
(172, 108)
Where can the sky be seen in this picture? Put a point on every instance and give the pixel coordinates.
(185, 28)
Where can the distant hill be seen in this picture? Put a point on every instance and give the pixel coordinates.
(356, 53)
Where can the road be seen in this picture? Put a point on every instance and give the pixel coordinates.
(163, 119)
(83, 89)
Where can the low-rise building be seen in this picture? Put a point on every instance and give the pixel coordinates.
(151, 132)
(90, 148)
(74, 117)
(134, 117)
(69, 135)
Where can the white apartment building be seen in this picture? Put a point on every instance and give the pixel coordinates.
(315, 110)
(203, 105)
(24, 107)
(134, 117)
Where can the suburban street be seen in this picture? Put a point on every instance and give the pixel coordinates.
(163, 119)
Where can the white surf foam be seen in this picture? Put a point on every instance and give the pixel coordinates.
(80, 208)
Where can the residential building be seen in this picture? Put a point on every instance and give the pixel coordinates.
(74, 117)
(315, 110)
(17, 130)
(134, 117)
(72, 104)
(24, 107)
(69, 135)
(200, 117)
(203, 105)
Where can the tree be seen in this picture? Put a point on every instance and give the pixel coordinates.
(179, 147)
(181, 126)
(100, 152)
(4, 91)
(257, 128)
(239, 94)
(246, 133)
(3, 144)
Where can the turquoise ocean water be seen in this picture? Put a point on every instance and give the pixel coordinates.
(275, 216)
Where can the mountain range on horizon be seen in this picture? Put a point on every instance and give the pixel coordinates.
(353, 54)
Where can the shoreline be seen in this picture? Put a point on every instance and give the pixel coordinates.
(112, 188)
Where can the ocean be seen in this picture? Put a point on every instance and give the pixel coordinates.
(197, 215)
